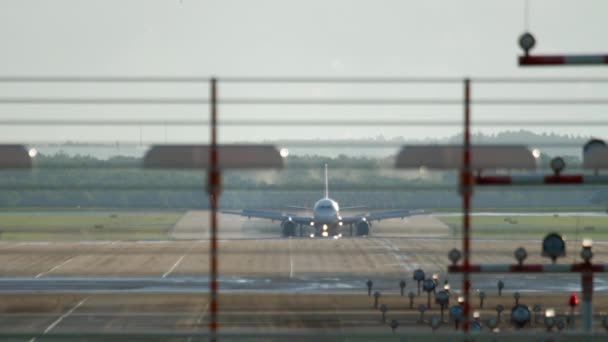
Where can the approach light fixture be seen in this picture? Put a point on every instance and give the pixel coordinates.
(520, 255)
(284, 152)
(442, 298)
(312, 223)
(520, 315)
(549, 319)
(516, 296)
(456, 313)
(536, 153)
(325, 234)
(454, 255)
(428, 285)
(527, 42)
(554, 246)
(586, 252)
(557, 164)
(32, 152)
(561, 325)
(418, 277)
(312, 236)
(492, 323)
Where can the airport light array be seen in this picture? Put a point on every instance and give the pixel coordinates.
(585, 268)
(527, 43)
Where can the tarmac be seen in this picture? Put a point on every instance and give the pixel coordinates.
(268, 284)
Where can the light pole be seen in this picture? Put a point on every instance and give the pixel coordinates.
(429, 286)
(419, 277)
(443, 299)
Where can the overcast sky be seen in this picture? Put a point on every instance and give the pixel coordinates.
(292, 38)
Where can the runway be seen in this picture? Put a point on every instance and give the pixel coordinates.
(267, 284)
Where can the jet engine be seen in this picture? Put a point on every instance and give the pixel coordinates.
(363, 227)
(288, 227)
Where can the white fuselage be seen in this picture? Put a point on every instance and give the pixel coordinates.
(326, 216)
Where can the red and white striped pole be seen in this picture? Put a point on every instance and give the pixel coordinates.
(542, 60)
(530, 268)
(213, 190)
(541, 180)
(527, 42)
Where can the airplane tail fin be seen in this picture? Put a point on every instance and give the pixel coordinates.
(326, 185)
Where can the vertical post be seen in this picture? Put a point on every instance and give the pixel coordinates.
(213, 189)
(587, 307)
(466, 190)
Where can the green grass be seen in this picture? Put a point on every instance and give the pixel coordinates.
(533, 227)
(75, 226)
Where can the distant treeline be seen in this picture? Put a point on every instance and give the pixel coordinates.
(65, 181)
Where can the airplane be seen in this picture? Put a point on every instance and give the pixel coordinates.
(326, 220)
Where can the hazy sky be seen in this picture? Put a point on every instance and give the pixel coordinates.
(292, 38)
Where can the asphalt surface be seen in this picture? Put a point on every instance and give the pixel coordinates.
(76, 278)
(303, 285)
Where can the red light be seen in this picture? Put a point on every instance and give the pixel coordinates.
(573, 300)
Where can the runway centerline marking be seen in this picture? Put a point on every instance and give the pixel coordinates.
(177, 262)
(54, 268)
(61, 318)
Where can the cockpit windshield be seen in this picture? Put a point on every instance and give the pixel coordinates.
(326, 205)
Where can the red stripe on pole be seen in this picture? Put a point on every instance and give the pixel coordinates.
(526, 268)
(461, 268)
(588, 267)
(214, 184)
(493, 180)
(541, 60)
(563, 60)
(570, 179)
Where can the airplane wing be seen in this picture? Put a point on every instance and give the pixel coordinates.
(270, 215)
(382, 215)
(298, 207)
(353, 207)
